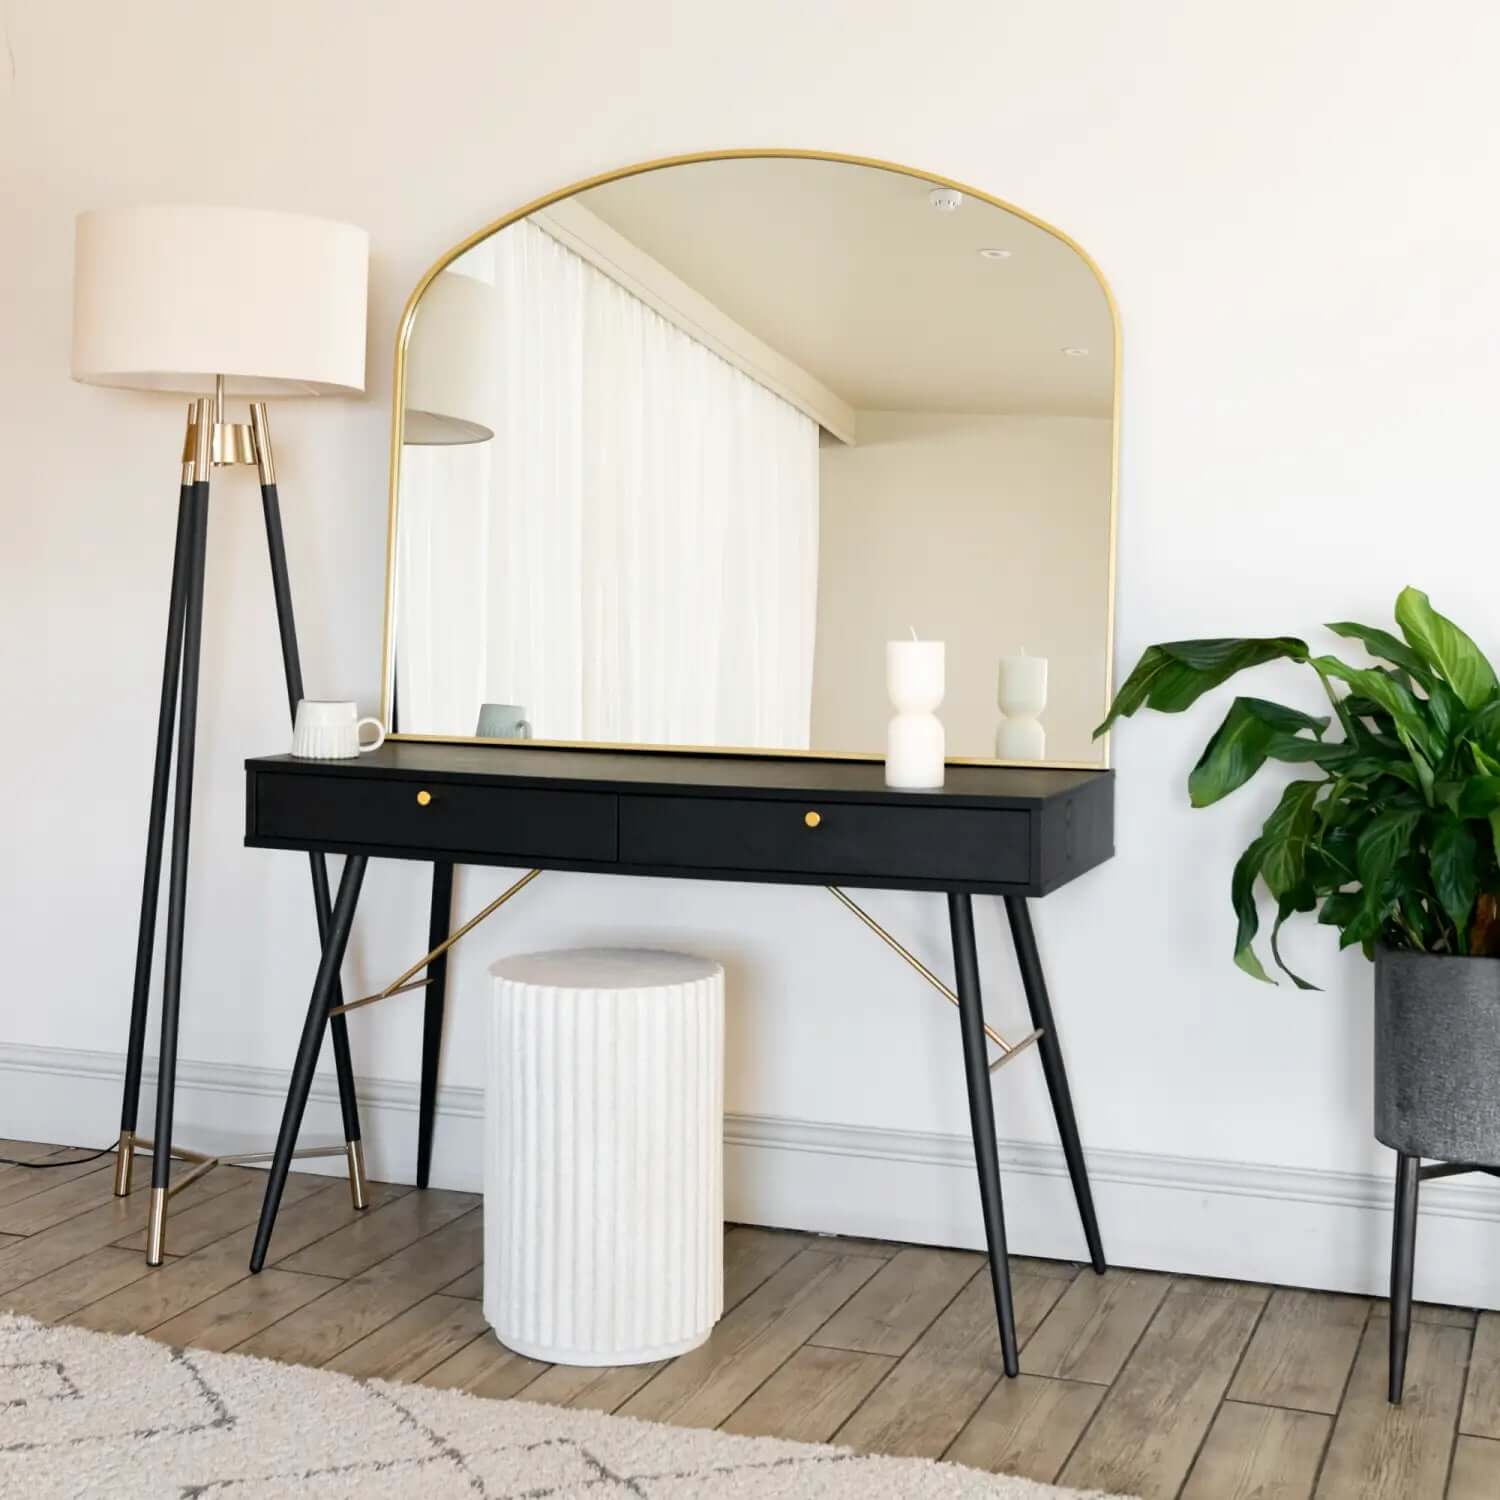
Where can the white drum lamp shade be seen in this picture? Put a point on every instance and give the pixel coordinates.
(451, 384)
(167, 298)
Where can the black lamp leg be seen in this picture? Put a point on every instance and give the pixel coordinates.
(291, 659)
(1054, 1071)
(1403, 1264)
(982, 1117)
(438, 926)
(145, 942)
(324, 988)
(182, 814)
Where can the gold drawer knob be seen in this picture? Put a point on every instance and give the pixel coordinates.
(423, 798)
(812, 819)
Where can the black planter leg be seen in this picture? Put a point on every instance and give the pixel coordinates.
(1054, 1071)
(145, 942)
(438, 927)
(982, 1117)
(182, 817)
(1403, 1264)
(291, 660)
(324, 987)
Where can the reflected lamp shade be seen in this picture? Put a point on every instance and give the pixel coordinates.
(451, 384)
(166, 298)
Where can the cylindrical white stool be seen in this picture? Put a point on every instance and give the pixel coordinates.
(604, 1157)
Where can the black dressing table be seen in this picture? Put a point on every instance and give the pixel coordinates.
(667, 475)
(1012, 832)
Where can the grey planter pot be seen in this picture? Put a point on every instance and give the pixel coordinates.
(1437, 1056)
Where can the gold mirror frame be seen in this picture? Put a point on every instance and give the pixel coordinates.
(398, 423)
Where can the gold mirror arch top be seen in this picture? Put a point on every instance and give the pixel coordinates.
(602, 179)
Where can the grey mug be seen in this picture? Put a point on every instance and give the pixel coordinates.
(503, 721)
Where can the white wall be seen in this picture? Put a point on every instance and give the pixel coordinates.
(1295, 207)
(990, 533)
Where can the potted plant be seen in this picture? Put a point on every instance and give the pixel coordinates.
(1393, 842)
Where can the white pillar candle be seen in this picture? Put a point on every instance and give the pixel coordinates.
(914, 672)
(1023, 686)
(914, 676)
(1022, 696)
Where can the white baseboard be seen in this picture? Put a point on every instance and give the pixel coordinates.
(1210, 1218)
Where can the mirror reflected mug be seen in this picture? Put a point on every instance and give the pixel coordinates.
(329, 730)
(503, 721)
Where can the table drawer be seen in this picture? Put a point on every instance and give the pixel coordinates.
(450, 816)
(837, 839)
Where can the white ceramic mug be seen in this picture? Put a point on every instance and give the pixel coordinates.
(330, 731)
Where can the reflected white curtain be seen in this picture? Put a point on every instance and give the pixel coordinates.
(634, 557)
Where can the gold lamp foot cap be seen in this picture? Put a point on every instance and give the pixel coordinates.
(156, 1228)
(356, 1150)
(124, 1162)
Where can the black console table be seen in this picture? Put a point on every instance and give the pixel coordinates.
(1012, 832)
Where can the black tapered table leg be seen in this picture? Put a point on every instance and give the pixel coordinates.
(291, 660)
(145, 942)
(438, 927)
(182, 816)
(1403, 1264)
(982, 1117)
(339, 927)
(1054, 1071)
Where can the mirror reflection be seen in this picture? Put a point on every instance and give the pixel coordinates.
(683, 451)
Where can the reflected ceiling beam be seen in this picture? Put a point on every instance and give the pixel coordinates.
(587, 235)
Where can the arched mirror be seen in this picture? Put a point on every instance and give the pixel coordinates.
(678, 451)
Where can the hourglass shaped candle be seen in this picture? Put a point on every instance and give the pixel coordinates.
(1022, 698)
(914, 672)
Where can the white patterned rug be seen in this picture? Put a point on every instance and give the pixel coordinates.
(94, 1414)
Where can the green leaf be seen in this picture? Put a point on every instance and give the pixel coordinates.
(1484, 728)
(1455, 874)
(1242, 894)
(1331, 855)
(1363, 768)
(1426, 776)
(1477, 797)
(1340, 908)
(1286, 835)
(1440, 643)
(1173, 676)
(1394, 699)
(1241, 744)
(1295, 749)
(1443, 708)
(1385, 840)
(1284, 909)
(1383, 644)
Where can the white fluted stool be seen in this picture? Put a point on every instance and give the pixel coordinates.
(604, 1155)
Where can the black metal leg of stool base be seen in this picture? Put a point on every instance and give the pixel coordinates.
(982, 1117)
(182, 817)
(291, 660)
(438, 928)
(145, 942)
(1054, 1071)
(1403, 1264)
(324, 985)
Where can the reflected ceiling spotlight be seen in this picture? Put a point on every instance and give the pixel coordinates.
(994, 253)
(946, 200)
(1074, 352)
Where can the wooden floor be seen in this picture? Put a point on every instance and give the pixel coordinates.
(1135, 1382)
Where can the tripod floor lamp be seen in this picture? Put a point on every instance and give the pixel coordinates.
(213, 302)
